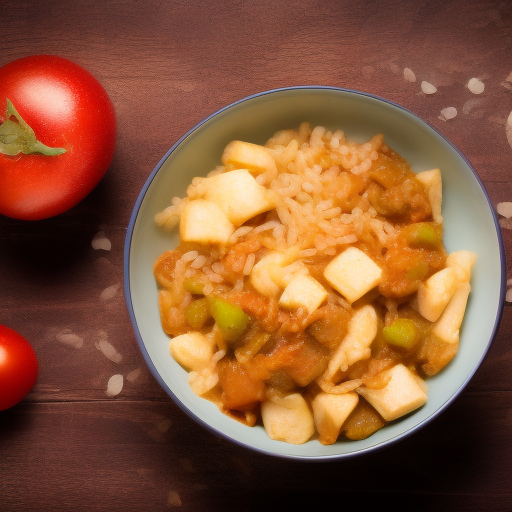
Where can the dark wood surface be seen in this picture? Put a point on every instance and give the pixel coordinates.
(166, 66)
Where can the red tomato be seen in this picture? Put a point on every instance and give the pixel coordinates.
(67, 108)
(18, 367)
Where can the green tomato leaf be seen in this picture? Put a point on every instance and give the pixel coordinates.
(16, 136)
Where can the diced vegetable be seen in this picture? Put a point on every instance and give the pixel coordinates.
(403, 332)
(238, 195)
(331, 326)
(330, 412)
(435, 354)
(239, 390)
(353, 273)
(173, 320)
(362, 329)
(303, 291)
(230, 319)
(266, 275)
(307, 360)
(204, 222)
(432, 180)
(448, 326)
(254, 342)
(417, 271)
(387, 177)
(435, 293)
(288, 419)
(463, 261)
(363, 422)
(403, 393)
(164, 266)
(424, 234)
(240, 154)
(193, 285)
(192, 350)
(258, 307)
(197, 313)
(302, 358)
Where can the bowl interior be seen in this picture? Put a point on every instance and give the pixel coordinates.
(469, 223)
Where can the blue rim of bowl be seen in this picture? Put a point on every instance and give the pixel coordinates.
(127, 291)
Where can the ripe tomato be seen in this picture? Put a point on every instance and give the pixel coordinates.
(18, 367)
(60, 115)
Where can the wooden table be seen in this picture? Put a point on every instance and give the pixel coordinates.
(167, 65)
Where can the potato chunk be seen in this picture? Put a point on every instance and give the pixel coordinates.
(362, 329)
(435, 354)
(353, 273)
(330, 412)
(288, 419)
(192, 350)
(403, 393)
(244, 155)
(432, 180)
(363, 422)
(239, 390)
(447, 328)
(435, 293)
(238, 195)
(464, 261)
(204, 222)
(267, 276)
(303, 291)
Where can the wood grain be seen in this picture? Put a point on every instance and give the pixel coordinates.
(166, 66)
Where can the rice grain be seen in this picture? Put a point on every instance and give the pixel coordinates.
(476, 86)
(409, 75)
(249, 263)
(114, 385)
(189, 256)
(428, 88)
(198, 262)
(505, 209)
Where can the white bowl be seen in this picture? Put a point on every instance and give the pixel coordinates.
(469, 223)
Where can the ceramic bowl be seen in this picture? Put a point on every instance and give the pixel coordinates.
(469, 223)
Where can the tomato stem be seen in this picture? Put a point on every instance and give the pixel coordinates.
(16, 136)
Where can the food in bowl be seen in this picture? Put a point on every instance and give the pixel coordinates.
(311, 290)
